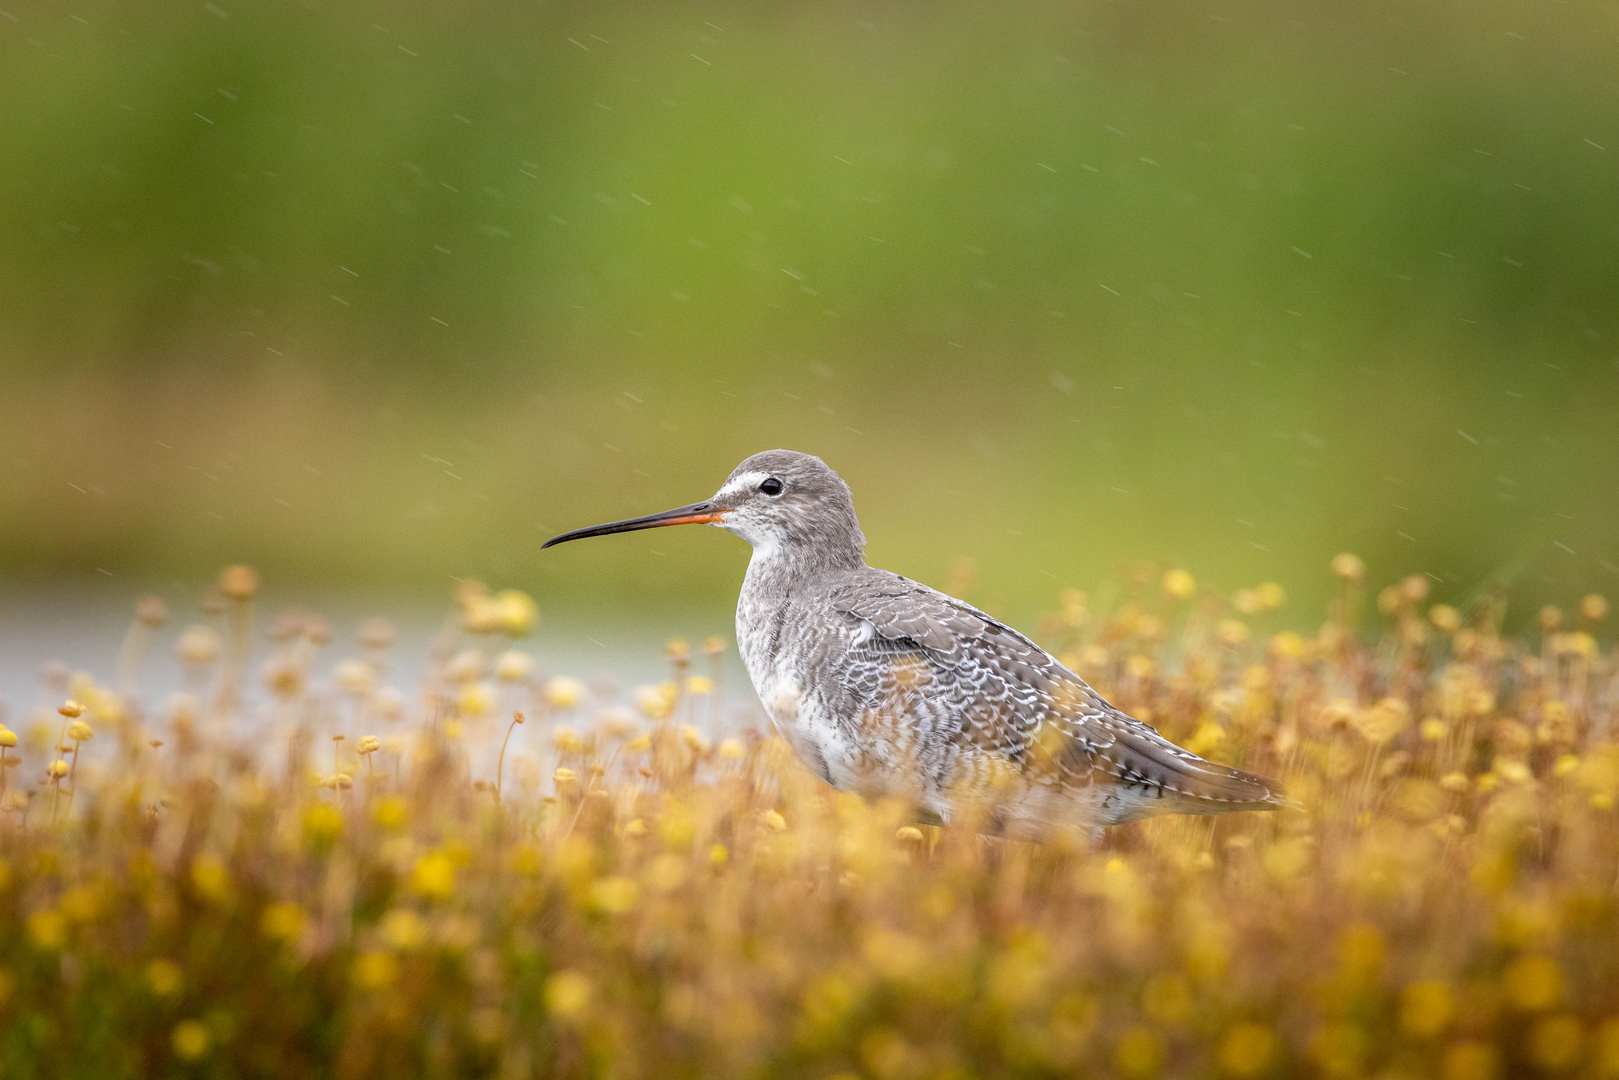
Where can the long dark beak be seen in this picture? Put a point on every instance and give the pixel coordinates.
(696, 514)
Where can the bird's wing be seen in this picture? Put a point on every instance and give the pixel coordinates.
(1003, 693)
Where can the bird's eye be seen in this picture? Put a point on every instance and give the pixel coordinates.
(771, 486)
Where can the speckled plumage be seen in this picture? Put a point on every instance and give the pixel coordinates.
(887, 687)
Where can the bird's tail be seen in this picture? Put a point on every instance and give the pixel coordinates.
(1191, 784)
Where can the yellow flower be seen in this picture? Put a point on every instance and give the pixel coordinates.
(475, 699)
(1594, 607)
(699, 684)
(1555, 1042)
(390, 811)
(614, 895)
(239, 582)
(567, 993)
(369, 744)
(732, 749)
(8, 738)
(1287, 646)
(656, 702)
(1445, 618)
(190, 1040)
(1271, 595)
(1140, 1054)
(774, 821)
(375, 970)
(71, 709)
(210, 878)
(57, 768)
(514, 666)
(1179, 584)
(1426, 1009)
(1533, 983)
(79, 731)
(564, 692)
(283, 921)
(47, 929)
(1246, 1049)
(1470, 1061)
(434, 876)
(355, 677)
(1349, 567)
(198, 646)
(164, 977)
(518, 612)
(323, 823)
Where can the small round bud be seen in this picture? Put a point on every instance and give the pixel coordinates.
(284, 677)
(240, 583)
(1415, 588)
(151, 612)
(1445, 618)
(70, 709)
(1179, 584)
(376, 634)
(198, 646)
(8, 737)
(563, 692)
(1594, 607)
(514, 666)
(1349, 567)
(79, 731)
(713, 646)
(1550, 618)
(317, 629)
(355, 677)
(519, 614)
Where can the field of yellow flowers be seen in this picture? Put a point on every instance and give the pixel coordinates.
(292, 869)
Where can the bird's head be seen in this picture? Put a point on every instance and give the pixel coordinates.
(778, 501)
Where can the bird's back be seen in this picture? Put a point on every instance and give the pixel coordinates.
(889, 687)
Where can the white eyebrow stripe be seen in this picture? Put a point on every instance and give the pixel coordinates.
(741, 483)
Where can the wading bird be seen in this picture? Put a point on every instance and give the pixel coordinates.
(886, 687)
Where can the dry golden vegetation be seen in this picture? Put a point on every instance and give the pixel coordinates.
(292, 869)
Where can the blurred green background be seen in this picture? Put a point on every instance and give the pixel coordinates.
(374, 294)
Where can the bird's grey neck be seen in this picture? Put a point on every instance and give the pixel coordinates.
(782, 566)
